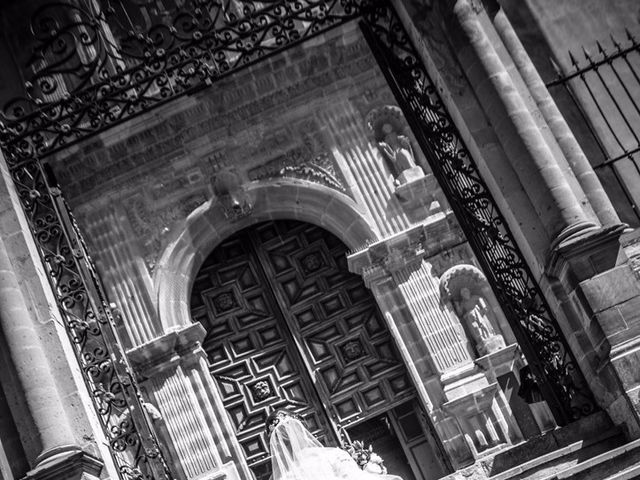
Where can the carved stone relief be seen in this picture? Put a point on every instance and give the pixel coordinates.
(151, 221)
(321, 169)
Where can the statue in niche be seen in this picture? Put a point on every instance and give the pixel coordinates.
(387, 124)
(475, 312)
(474, 309)
(397, 148)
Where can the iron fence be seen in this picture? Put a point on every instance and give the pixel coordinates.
(604, 88)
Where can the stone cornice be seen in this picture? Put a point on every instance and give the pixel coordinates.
(167, 351)
(582, 256)
(472, 403)
(406, 249)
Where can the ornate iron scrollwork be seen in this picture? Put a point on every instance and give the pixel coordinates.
(535, 327)
(92, 71)
(90, 324)
(112, 59)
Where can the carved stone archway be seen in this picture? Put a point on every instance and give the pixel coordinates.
(208, 225)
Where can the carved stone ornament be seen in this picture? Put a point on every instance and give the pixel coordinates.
(352, 350)
(464, 288)
(224, 302)
(261, 390)
(389, 129)
(389, 115)
(311, 262)
(232, 193)
(321, 169)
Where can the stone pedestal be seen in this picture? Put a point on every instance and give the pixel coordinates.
(476, 412)
(468, 411)
(596, 285)
(503, 366)
(502, 361)
(69, 465)
(421, 197)
(410, 175)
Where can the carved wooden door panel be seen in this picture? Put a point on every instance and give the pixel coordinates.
(252, 356)
(344, 340)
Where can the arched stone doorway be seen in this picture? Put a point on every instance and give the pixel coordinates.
(289, 326)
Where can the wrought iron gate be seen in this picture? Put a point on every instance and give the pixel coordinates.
(93, 70)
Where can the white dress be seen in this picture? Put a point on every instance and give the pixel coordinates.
(297, 455)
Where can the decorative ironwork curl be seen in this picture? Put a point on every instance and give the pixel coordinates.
(89, 323)
(113, 59)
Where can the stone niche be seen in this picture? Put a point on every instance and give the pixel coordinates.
(465, 291)
(393, 136)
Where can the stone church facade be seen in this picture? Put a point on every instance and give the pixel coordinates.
(375, 214)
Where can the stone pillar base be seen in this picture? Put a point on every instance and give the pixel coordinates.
(409, 175)
(421, 197)
(490, 345)
(70, 465)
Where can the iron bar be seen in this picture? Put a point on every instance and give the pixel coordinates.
(625, 56)
(598, 106)
(622, 156)
(579, 71)
(606, 88)
(610, 154)
(619, 79)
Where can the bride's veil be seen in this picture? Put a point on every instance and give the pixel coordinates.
(296, 454)
(290, 443)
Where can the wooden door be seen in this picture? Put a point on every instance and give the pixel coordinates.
(332, 315)
(289, 326)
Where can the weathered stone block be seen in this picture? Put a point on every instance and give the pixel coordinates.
(610, 288)
(627, 368)
(611, 321)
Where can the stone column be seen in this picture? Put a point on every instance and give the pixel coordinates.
(60, 455)
(194, 424)
(420, 364)
(533, 161)
(430, 337)
(566, 140)
(126, 279)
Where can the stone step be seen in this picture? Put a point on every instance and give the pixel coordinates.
(632, 473)
(614, 463)
(586, 429)
(549, 464)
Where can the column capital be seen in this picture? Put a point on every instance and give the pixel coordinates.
(406, 249)
(167, 351)
(579, 257)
